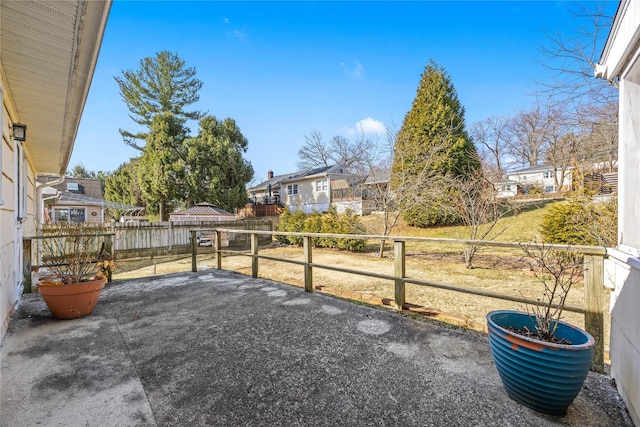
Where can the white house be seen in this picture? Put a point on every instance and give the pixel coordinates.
(310, 190)
(48, 53)
(620, 61)
(506, 188)
(546, 177)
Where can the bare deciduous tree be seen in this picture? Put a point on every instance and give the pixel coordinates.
(529, 131)
(410, 187)
(475, 201)
(316, 152)
(492, 137)
(572, 55)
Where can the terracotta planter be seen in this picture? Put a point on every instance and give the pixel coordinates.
(71, 301)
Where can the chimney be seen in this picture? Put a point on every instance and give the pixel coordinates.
(269, 174)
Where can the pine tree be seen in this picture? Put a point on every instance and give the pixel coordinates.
(161, 85)
(432, 145)
(161, 168)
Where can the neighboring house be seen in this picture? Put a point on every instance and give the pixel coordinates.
(546, 177)
(361, 196)
(268, 192)
(48, 53)
(619, 64)
(310, 190)
(202, 212)
(506, 188)
(78, 200)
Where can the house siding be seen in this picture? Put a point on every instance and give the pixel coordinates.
(10, 234)
(547, 182)
(307, 199)
(619, 61)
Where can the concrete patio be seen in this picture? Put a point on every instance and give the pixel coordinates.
(219, 348)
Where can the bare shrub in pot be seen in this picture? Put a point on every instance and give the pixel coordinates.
(557, 270)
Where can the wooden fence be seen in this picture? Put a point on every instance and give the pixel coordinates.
(593, 272)
(161, 238)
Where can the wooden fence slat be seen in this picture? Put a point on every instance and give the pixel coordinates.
(308, 269)
(399, 272)
(594, 316)
(254, 256)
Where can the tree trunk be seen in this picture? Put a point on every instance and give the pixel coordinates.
(469, 252)
(381, 254)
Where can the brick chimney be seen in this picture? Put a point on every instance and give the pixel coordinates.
(269, 174)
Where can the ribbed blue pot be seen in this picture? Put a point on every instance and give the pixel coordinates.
(544, 376)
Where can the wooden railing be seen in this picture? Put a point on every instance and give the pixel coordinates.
(593, 272)
(28, 254)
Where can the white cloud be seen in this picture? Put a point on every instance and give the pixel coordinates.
(226, 20)
(239, 34)
(356, 70)
(370, 126)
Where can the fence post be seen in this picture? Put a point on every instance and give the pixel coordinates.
(399, 273)
(308, 270)
(254, 255)
(194, 250)
(26, 266)
(108, 245)
(594, 316)
(218, 243)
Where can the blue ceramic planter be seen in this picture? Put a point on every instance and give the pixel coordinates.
(544, 376)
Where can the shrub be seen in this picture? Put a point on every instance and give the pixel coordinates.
(330, 223)
(580, 221)
(291, 221)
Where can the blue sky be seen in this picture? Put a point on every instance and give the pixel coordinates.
(285, 69)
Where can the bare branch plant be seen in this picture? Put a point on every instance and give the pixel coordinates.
(557, 270)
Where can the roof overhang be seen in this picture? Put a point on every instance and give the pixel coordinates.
(48, 53)
(621, 49)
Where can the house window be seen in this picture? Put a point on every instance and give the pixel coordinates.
(546, 175)
(549, 188)
(75, 215)
(321, 185)
(292, 189)
(507, 188)
(524, 176)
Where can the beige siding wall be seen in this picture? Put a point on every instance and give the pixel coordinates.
(7, 251)
(94, 214)
(308, 199)
(10, 236)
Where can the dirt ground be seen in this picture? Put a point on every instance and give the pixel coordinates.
(493, 271)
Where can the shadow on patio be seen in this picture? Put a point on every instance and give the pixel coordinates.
(219, 348)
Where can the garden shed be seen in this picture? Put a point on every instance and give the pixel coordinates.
(202, 212)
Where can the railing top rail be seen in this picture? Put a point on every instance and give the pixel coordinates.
(587, 250)
(53, 236)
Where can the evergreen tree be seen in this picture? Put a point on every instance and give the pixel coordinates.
(122, 186)
(218, 173)
(161, 85)
(161, 167)
(431, 145)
